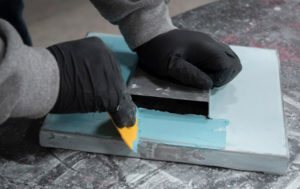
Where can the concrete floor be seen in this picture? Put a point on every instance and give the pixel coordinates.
(54, 21)
(260, 23)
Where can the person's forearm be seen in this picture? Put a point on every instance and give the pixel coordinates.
(29, 77)
(139, 20)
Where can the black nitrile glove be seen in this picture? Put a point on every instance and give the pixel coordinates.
(91, 80)
(191, 58)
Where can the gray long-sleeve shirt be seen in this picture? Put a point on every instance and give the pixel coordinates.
(138, 20)
(29, 77)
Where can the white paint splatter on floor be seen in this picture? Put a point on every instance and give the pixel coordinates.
(291, 101)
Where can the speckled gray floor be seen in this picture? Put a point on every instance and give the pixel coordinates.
(261, 23)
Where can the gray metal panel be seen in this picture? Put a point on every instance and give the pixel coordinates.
(141, 83)
(154, 93)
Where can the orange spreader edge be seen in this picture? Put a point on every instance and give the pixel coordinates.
(128, 134)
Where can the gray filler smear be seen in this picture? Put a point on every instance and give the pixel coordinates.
(150, 92)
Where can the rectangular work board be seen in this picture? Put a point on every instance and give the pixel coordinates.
(254, 139)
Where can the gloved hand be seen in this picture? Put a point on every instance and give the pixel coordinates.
(191, 58)
(91, 80)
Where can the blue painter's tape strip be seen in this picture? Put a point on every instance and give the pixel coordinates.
(136, 142)
(127, 58)
(181, 130)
